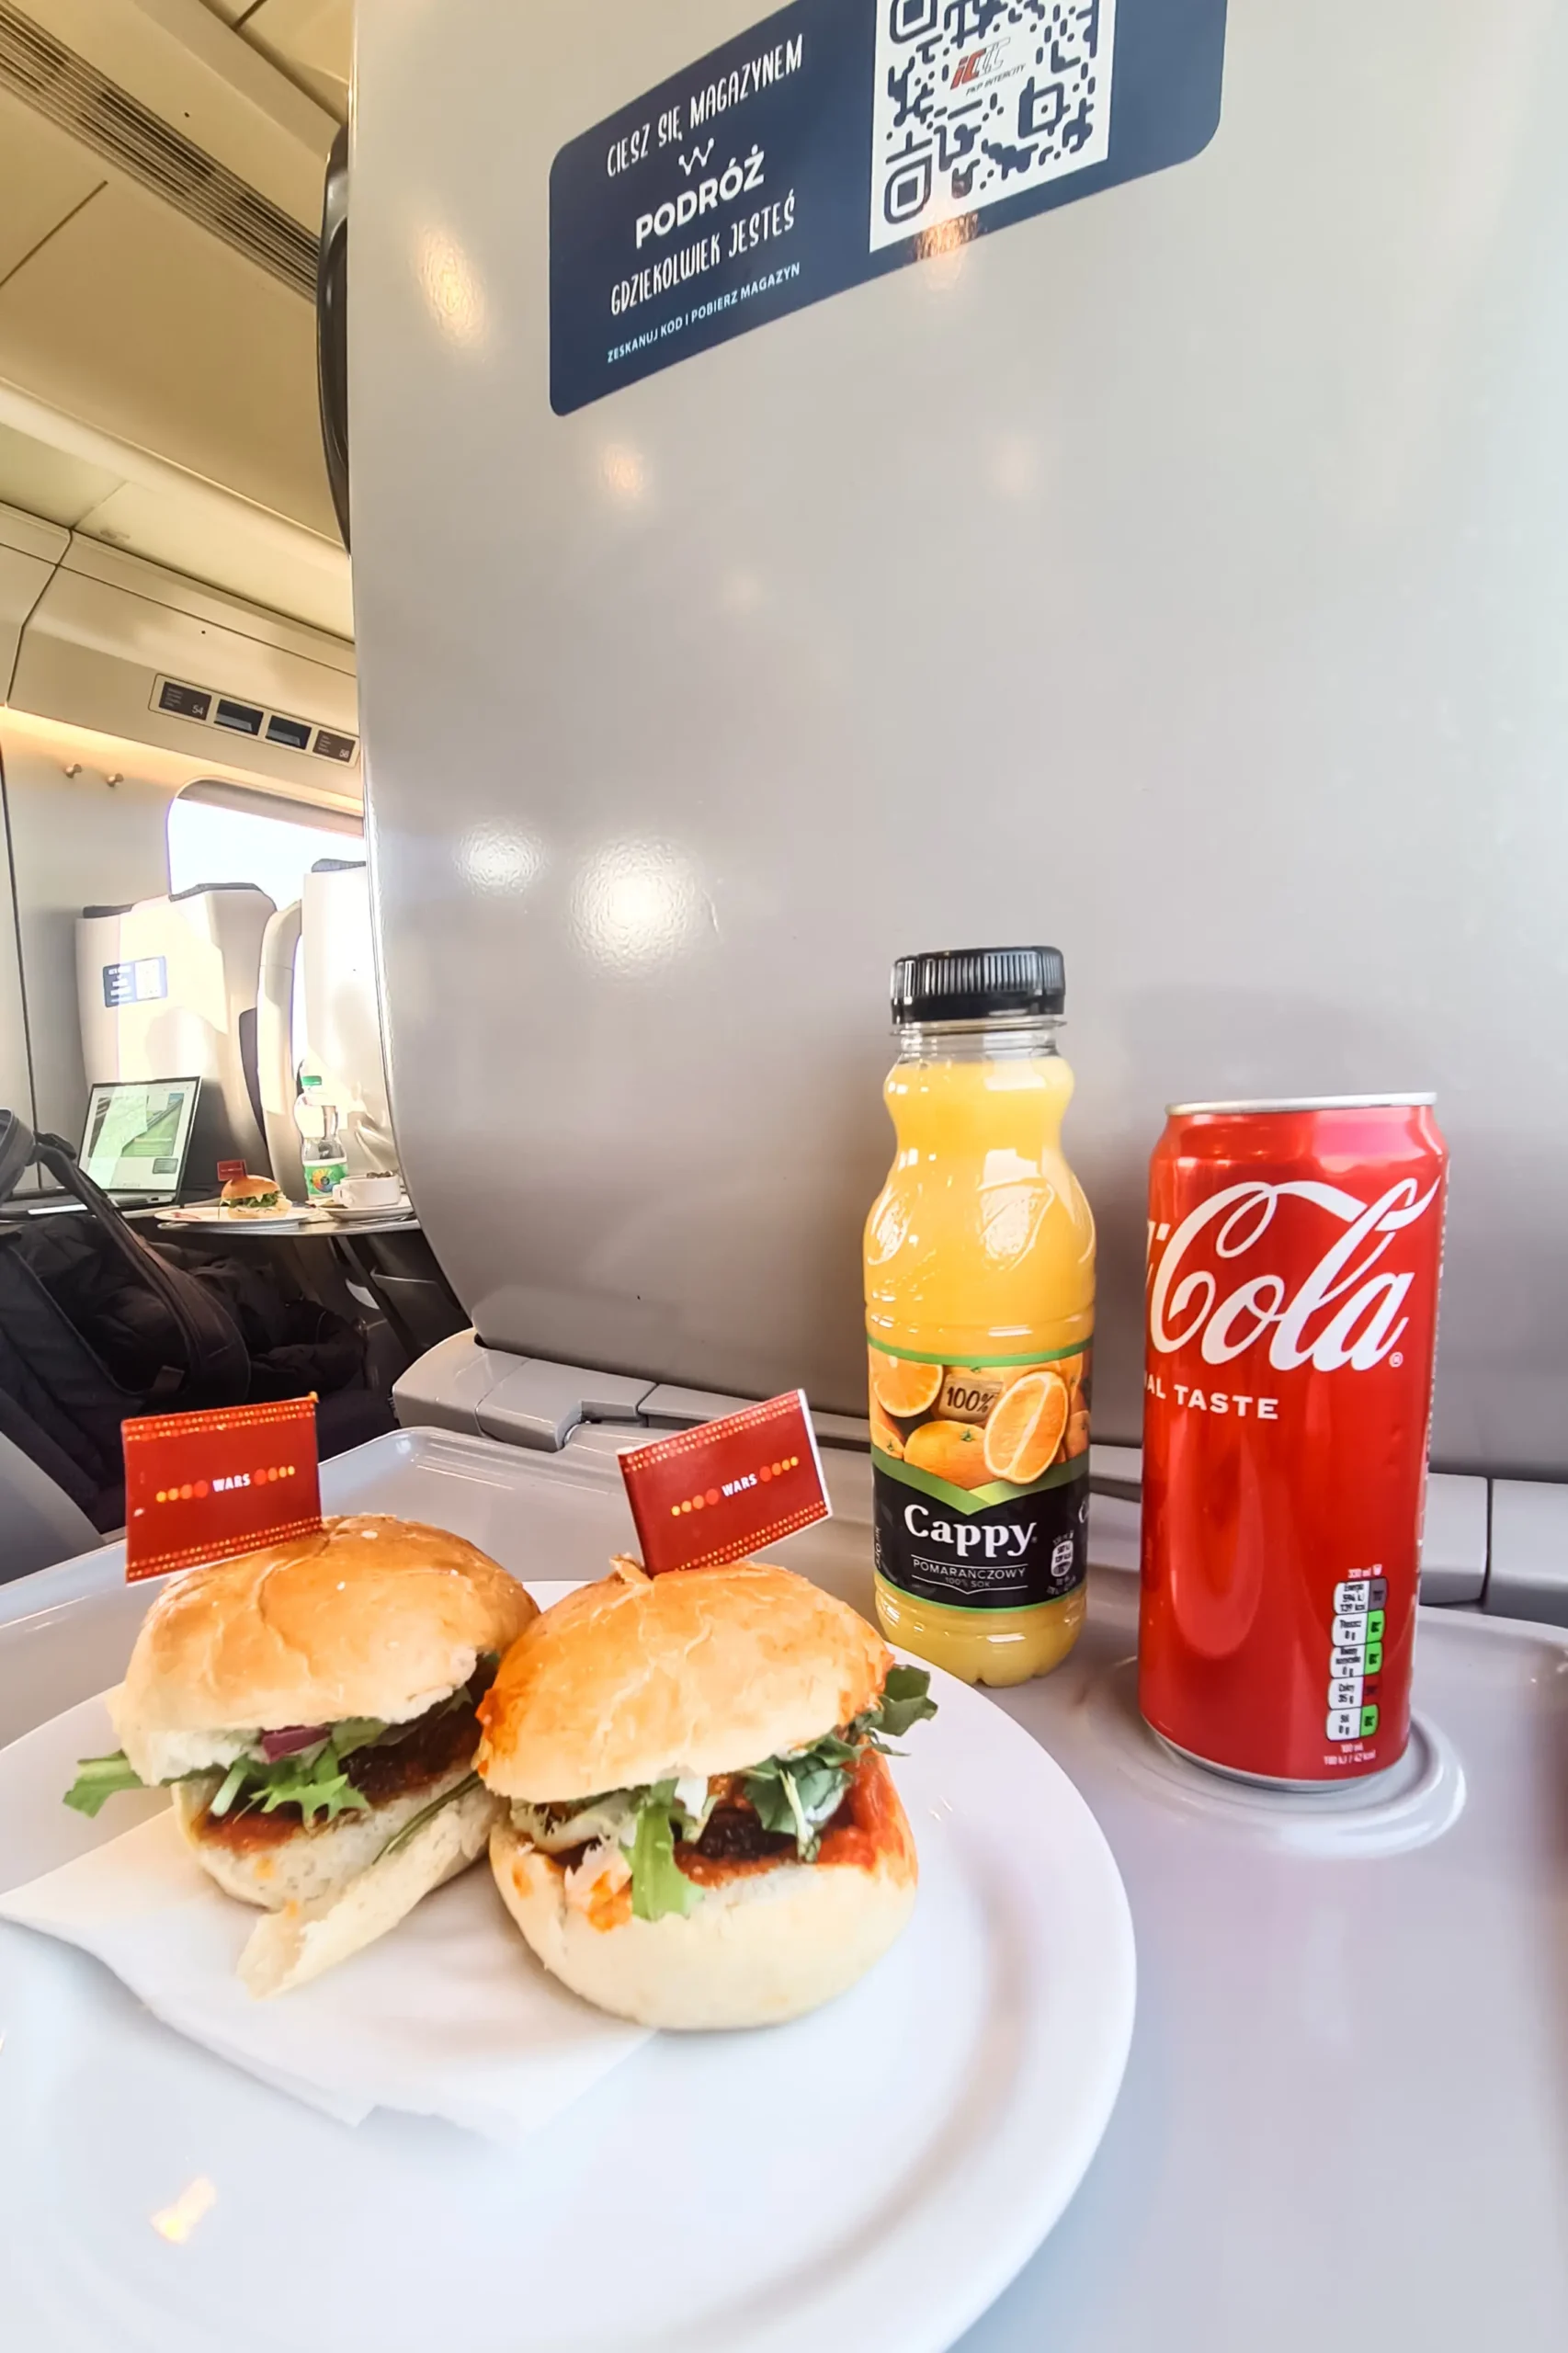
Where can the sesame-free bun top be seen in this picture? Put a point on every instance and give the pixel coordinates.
(243, 1192)
(699, 1671)
(370, 1616)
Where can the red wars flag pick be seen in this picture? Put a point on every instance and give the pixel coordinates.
(721, 1491)
(203, 1487)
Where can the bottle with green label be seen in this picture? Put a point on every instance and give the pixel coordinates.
(324, 1155)
(979, 1307)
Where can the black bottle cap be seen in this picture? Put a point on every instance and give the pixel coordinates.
(977, 983)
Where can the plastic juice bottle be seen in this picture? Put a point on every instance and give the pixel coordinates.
(979, 1307)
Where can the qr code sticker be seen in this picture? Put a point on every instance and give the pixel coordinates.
(977, 100)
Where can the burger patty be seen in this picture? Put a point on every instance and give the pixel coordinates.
(733, 1834)
(742, 1846)
(434, 1746)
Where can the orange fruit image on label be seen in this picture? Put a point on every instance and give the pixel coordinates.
(953, 1450)
(1025, 1429)
(900, 1385)
(886, 1434)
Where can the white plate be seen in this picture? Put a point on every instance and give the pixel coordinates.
(404, 1208)
(869, 2177)
(216, 1213)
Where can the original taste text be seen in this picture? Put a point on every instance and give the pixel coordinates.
(1213, 1400)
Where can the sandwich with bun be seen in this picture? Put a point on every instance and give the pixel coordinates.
(312, 1707)
(253, 1196)
(701, 1828)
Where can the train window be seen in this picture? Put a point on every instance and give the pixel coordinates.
(223, 834)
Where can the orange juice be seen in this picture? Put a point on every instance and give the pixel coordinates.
(979, 1310)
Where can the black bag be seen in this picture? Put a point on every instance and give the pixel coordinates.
(95, 1328)
(295, 1345)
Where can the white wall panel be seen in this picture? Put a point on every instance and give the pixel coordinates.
(76, 841)
(30, 551)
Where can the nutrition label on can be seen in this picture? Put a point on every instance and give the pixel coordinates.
(1356, 1658)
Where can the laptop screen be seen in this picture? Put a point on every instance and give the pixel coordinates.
(138, 1134)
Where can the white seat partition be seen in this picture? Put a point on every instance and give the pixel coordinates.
(343, 1022)
(319, 1002)
(275, 1048)
(167, 989)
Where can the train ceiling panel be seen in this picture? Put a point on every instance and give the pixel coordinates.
(133, 317)
(178, 61)
(160, 180)
(50, 482)
(43, 178)
(311, 41)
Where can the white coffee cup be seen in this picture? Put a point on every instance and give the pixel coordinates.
(371, 1192)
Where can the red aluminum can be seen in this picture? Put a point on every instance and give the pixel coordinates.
(1294, 1255)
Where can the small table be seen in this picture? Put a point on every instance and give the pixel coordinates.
(300, 1224)
(354, 1270)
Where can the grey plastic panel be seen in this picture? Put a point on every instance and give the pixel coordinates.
(1178, 576)
(39, 1523)
(1454, 1541)
(460, 1385)
(445, 1388)
(537, 1405)
(1529, 1551)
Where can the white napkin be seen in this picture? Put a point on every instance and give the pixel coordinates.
(448, 2016)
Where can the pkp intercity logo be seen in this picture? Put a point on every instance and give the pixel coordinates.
(968, 69)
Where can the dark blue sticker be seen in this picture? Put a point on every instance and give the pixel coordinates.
(142, 982)
(842, 138)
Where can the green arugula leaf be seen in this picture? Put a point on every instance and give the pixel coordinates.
(100, 1778)
(768, 1790)
(312, 1779)
(799, 1794)
(906, 1699)
(364, 1731)
(427, 1813)
(315, 1782)
(658, 1884)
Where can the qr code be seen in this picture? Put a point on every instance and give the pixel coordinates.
(976, 100)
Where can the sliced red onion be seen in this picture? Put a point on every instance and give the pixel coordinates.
(290, 1740)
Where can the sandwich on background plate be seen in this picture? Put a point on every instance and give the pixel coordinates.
(312, 1707)
(256, 1196)
(702, 1830)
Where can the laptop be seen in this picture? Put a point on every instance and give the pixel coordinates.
(136, 1139)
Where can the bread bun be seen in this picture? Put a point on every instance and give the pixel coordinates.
(306, 1937)
(312, 1864)
(368, 1616)
(765, 1943)
(704, 1671)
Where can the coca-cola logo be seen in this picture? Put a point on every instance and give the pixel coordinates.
(1343, 1312)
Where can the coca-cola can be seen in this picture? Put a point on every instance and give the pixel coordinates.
(1294, 1255)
